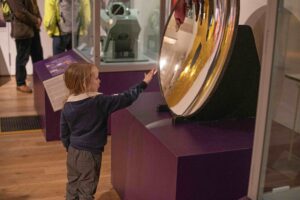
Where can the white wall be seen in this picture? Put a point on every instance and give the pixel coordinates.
(294, 7)
(286, 109)
(248, 7)
(253, 13)
(4, 45)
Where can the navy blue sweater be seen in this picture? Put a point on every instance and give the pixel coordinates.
(84, 119)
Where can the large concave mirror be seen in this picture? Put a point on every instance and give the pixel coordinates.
(195, 50)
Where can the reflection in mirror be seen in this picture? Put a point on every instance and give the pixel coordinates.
(195, 49)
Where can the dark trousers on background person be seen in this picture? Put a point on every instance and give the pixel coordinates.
(61, 43)
(25, 48)
(83, 172)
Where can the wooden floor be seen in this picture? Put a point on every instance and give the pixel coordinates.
(30, 167)
(13, 102)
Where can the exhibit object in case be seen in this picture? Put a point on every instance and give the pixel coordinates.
(120, 35)
(122, 29)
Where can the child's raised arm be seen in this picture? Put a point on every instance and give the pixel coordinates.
(148, 76)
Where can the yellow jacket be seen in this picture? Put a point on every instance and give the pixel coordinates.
(52, 17)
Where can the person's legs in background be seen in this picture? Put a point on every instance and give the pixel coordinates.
(61, 43)
(25, 48)
(57, 46)
(68, 41)
(36, 48)
(23, 51)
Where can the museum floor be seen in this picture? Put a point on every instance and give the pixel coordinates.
(32, 169)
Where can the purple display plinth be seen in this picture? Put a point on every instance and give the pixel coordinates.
(153, 159)
(111, 82)
(44, 70)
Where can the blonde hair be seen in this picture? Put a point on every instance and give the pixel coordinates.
(77, 77)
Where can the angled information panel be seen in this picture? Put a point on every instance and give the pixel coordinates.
(57, 91)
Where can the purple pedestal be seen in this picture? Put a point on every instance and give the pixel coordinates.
(48, 118)
(153, 159)
(111, 82)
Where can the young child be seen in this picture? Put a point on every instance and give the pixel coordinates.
(83, 125)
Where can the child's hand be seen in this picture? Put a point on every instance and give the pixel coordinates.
(148, 77)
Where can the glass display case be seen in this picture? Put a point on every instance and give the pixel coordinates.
(83, 37)
(121, 35)
(278, 136)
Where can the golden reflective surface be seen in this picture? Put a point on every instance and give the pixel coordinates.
(194, 54)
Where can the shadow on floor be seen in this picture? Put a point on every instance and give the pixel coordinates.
(109, 195)
(4, 79)
(11, 197)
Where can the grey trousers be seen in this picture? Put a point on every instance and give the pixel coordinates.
(83, 171)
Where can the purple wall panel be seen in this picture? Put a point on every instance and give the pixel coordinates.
(218, 176)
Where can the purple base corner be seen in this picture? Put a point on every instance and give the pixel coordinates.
(153, 159)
